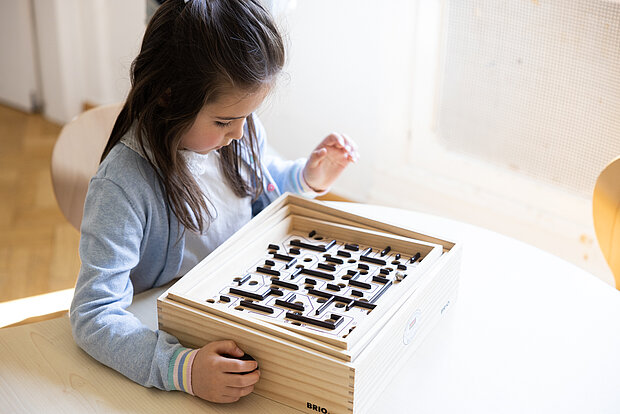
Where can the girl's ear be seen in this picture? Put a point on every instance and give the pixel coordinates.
(164, 100)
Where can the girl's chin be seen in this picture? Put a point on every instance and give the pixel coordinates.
(214, 148)
(205, 152)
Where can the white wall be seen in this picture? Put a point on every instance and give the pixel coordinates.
(370, 69)
(348, 69)
(18, 80)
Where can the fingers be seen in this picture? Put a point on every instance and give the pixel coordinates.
(316, 157)
(236, 393)
(241, 380)
(224, 399)
(231, 396)
(351, 147)
(226, 347)
(235, 366)
(225, 360)
(237, 386)
(335, 140)
(340, 141)
(343, 143)
(218, 373)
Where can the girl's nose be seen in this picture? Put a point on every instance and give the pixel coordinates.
(237, 133)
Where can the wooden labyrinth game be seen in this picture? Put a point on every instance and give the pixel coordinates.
(328, 303)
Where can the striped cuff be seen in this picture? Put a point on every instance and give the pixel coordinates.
(304, 188)
(180, 370)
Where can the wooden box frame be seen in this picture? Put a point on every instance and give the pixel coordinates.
(309, 372)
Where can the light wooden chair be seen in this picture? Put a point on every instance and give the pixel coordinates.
(76, 157)
(606, 212)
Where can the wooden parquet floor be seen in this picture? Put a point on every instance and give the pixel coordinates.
(38, 247)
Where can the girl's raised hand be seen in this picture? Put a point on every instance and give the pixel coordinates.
(219, 379)
(328, 160)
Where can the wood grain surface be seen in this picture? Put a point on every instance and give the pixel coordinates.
(42, 365)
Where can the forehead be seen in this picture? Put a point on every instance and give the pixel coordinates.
(236, 104)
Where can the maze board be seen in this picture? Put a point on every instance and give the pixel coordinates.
(318, 278)
(321, 284)
(328, 303)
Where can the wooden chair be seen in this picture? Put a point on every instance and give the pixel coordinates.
(76, 157)
(606, 212)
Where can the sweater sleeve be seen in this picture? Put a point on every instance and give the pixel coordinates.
(111, 236)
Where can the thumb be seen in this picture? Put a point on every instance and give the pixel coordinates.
(227, 347)
(316, 157)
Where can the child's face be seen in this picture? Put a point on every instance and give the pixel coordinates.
(222, 121)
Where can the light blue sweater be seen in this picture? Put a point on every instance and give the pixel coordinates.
(130, 242)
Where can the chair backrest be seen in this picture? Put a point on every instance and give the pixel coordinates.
(606, 212)
(76, 155)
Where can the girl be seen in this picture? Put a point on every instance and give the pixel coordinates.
(183, 169)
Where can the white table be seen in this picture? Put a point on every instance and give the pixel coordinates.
(529, 333)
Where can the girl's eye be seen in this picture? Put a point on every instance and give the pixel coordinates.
(222, 124)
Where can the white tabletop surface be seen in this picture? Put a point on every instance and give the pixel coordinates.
(529, 333)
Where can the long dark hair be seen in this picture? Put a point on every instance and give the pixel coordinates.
(192, 53)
